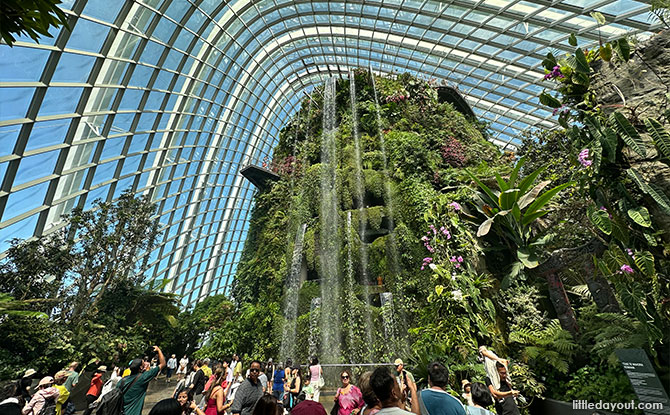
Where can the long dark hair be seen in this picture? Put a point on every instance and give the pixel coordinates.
(266, 405)
(218, 378)
(168, 406)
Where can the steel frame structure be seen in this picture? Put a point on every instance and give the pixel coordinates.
(171, 97)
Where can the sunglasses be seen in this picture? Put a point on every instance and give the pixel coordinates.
(345, 377)
(254, 370)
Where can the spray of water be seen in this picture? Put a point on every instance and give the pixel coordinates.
(329, 240)
(291, 299)
(362, 214)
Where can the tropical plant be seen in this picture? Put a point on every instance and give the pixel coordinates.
(33, 18)
(512, 212)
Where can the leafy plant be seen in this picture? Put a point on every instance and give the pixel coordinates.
(33, 18)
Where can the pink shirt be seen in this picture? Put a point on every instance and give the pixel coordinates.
(349, 401)
(314, 370)
(39, 399)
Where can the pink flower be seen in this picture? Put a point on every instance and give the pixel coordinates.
(455, 205)
(627, 269)
(453, 259)
(583, 158)
(459, 259)
(424, 238)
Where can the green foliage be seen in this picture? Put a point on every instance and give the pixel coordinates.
(33, 18)
(591, 383)
(86, 277)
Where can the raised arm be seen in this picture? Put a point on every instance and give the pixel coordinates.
(161, 358)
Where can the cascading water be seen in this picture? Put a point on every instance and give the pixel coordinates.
(388, 321)
(395, 266)
(329, 240)
(314, 311)
(291, 299)
(350, 288)
(362, 214)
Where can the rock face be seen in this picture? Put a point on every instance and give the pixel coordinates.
(640, 89)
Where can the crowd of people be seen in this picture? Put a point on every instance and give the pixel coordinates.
(210, 387)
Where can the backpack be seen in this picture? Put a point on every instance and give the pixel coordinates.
(49, 407)
(112, 402)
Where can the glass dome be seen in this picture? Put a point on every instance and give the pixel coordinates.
(172, 98)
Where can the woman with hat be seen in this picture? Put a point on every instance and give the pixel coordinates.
(23, 387)
(95, 388)
(45, 392)
(467, 395)
(63, 393)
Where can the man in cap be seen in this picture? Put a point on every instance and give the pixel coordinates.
(46, 393)
(133, 399)
(403, 377)
(64, 394)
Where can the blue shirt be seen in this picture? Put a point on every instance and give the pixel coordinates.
(278, 381)
(439, 402)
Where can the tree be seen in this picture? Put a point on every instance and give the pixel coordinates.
(29, 17)
(109, 240)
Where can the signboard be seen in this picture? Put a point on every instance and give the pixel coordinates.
(646, 384)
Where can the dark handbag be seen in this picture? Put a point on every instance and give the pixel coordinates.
(336, 408)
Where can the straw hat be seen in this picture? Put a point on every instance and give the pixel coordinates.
(465, 383)
(47, 380)
(61, 374)
(29, 372)
(102, 368)
(398, 362)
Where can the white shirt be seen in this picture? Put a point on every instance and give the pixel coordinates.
(172, 363)
(394, 410)
(183, 362)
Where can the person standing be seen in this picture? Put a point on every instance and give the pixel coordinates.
(269, 372)
(73, 376)
(135, 385)
(95, 389)
(467, 392)
(263, 378)
(316, 378)
(249, 392)
(435, 400)
(278, 382)
(348, 398)
(171, 366)
(501, 389)
(183, 366)
(45, 394)
(63, 394)
(25, 383)
(215, 397)
(387, 390)
(198, 383)
(404, 378)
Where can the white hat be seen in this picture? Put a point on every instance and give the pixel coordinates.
(398, 362)
(102, 368)
(29, 372)
(47, 380)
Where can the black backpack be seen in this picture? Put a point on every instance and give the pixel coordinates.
(111, 403)
(49, 407)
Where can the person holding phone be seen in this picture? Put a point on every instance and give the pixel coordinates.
(133, 399)
(188, 406)
(348, 398)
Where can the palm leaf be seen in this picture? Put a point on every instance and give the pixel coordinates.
(660, 135)
(628, 133)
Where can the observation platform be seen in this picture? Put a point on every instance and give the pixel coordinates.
(259, 176)
(453, 96)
